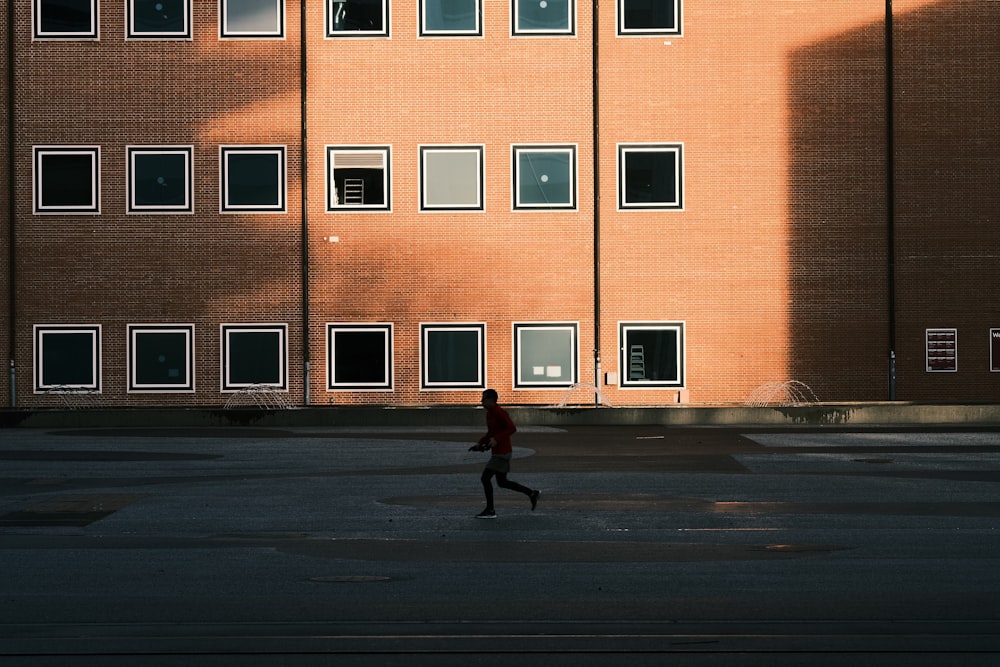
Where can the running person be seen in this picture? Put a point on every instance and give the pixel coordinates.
(499, 428)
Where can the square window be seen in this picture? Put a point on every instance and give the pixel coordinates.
(67, 179)
(158, 19)
(160, 179)
(649, 17)
(357, 18)
(451, 18)
(650, 176)
(451, 178)
(67, 357)
(160, 358)
(254, 356)
(544, 17)
(453, 356)
(252, 179)
(544, 177)
(545, 355)
(651, 354)
(359, 356)
(357, 178)
(252, 19)
(65, 19)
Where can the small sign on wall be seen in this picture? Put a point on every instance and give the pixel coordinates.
(995, 350)
(942, 350)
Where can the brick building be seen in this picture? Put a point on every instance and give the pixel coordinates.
(399, 203)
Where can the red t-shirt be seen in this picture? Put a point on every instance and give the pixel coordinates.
(500, 427)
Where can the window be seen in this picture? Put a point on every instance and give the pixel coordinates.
(545, 355)
(357, 178)
(357, 18)
(649, 176)
(359, 356)
(158, 19)
(544, 177)
(451, 178)
(252, 19)
(453, 356)
(651, 354)
(253, 179)
(254, 355)
(649, 17)
(159, 179)
(67, 179)
(65, 19)
(67, 357)
(451, 18)
(160, 358)
(544, 17)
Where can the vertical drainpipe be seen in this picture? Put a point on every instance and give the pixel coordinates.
(305, 205)
(595, 104)
(890, 196)
(11, 201)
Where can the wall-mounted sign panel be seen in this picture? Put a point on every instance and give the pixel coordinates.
(942, 350)
(995, 350)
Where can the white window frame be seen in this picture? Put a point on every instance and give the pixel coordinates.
(227, 383)
(331, 165)
(430, 150)
(545, 372)
(568, 31)
(517, 150)
(36, 24)
(422, 30)
(131, 207)
(426, 384)
(385, 328)
(225, 152)
(226, 33)
(678, 150)
(330, 33)
(131, 34)
(134, 332)
(39, 332)
(38, 179)
(624, 379)
(677, 31)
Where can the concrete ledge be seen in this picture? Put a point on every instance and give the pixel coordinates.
(842, 414)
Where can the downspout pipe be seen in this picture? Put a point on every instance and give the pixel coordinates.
(11, 204)
(890, 195)
(305, 204)
(595, 105)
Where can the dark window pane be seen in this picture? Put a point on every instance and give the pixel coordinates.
(453, 357)
(158, 16)
(160, 179)
(653, 355)
(451, 15)
(650, 177)
(649, 15)
(161, 358)
(67, 180)
(360, 187)
(252, 179)
(544, 178)
(360, 357)
(68, 359)
(254, 357)
(357, 15)
(547, 15)
(62, 16)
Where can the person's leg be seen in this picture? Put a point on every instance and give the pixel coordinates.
(502, 481)
(486, 479)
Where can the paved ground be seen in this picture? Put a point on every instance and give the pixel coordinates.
(306, 546)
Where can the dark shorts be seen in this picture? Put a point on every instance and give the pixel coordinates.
(499, 463)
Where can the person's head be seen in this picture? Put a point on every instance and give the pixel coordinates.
(490, 397)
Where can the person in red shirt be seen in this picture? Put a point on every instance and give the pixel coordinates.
(499, 428)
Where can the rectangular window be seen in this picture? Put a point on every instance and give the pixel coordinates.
(544, 177)
(453, 356)
(942, 350)
(544, 17)
(650, 176)
(649, 17)
(65, 19)
(67, 357)
(444, 18)
(252, 179)
(67, 180)
(651, 354)
(451, 178)
(158, 19)
(160, 179)
(545, 355)
(254, 356)
(357, 18)
(252, 19)
(161, 357)
(359, 356)
(357, 178)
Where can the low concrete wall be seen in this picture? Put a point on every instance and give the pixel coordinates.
(846, 415)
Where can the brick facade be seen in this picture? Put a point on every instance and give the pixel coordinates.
(778, 264)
